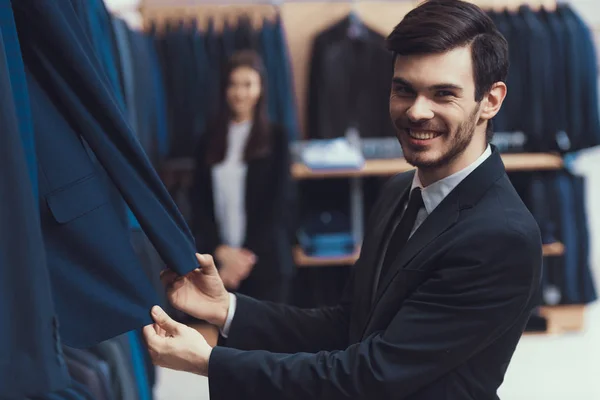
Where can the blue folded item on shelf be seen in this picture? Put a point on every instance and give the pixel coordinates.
(327, 234)
(329, 245)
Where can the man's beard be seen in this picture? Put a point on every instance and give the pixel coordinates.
(458, 144)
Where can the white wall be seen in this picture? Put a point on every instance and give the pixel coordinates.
(126, 9)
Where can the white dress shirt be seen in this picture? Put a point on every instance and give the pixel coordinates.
(229, 186)
(432, 197)
(437, 191)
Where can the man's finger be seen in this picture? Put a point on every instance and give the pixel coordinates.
(168, 276)
(163, 321)
(159, 331)
(207, 263)
(150, 336)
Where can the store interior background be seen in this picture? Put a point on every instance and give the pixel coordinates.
(545, 367)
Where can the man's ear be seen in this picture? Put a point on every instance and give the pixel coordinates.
(492, 101)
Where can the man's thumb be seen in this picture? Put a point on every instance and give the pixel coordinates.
(207, 263)
(163, 320)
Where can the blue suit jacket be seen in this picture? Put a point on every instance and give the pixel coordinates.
(99, 288)
(30, 352)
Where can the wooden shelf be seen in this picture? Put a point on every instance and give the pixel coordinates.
(512, 162)
(371, 168)
(387, 167)
(554, 249)
(303, 261)
(562, 319)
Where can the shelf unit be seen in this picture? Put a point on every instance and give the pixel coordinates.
(387, 167)
(305, 261)
(561, 318)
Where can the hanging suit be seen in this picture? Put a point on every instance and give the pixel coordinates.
(100, 290)
(587, 77)
(349, 84)
(31, 359)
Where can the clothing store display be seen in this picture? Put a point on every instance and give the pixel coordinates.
(556, 200)
(191, 60)
(349, 83)
(552, 79)
(92, 109)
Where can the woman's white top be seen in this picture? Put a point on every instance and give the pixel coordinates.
(229, 186)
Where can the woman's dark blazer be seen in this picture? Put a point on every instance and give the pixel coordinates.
(270, 198)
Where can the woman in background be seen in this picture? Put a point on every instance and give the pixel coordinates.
(242, 196)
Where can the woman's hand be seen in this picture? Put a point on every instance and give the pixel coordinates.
(200, 293)
(236, 265)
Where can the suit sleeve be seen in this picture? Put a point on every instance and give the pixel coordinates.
(63, 62)
(462, 307)
(262, 325)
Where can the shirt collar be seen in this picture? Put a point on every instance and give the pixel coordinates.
(437, 191)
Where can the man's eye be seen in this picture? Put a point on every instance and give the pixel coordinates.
(402, 90)
(444, 93)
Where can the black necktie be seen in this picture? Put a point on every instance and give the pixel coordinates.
(402, 232)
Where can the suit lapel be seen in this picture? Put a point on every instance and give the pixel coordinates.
(370, 255)
(447, 213)
(441, 219)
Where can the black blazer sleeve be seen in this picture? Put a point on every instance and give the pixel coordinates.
(204, 226)
(281, 328)
(461, 308)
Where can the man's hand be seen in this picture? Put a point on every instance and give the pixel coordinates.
(176, 346)
(236, 265)
(200, 293)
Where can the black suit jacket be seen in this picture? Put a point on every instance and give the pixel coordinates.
(443, 326)
(349, 84)
(269, 211)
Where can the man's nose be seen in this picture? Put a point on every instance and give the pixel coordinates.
(419, 110)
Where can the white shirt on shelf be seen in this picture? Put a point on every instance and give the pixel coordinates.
(229, 186)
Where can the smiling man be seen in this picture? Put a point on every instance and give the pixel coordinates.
(449, 268)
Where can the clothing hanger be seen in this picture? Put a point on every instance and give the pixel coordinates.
(356, 28)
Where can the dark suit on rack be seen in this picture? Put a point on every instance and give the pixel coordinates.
(442, 324)
(349, 84)
(587, 76)
(268, 198)
(99, 288)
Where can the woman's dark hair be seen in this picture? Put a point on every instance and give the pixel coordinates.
(259, 140)
(438, 26)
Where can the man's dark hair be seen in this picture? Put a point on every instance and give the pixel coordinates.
(438, 26)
